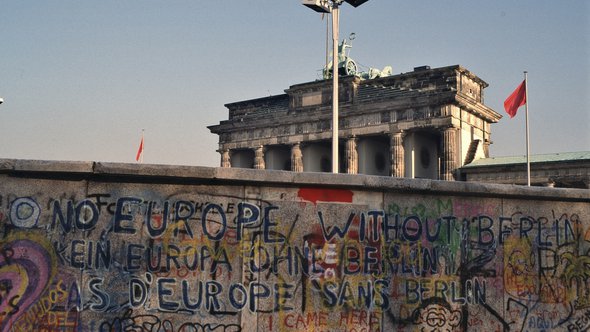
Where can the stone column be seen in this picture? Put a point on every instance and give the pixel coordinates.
(397, 155)
(352, 156)
(486, 147)
(296, 158)
(225, 159)
(448, 165)
(259, 158)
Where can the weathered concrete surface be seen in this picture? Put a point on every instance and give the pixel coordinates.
(122, 247)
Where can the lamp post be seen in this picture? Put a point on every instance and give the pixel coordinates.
(332, 6)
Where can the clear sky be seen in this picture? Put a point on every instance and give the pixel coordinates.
(81, 79)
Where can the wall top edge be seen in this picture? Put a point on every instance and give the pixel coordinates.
(173, 174)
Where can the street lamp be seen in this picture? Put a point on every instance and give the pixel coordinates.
(331, 6)
(1, 100)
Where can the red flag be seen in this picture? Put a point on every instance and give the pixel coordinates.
(140, 150)
(516, 99)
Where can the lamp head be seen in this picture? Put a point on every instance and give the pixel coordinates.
(320, 6)
(356, 3)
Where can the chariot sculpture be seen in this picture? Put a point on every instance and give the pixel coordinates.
(347, 66)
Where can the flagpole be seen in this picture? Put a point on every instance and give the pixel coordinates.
(528, 148)
(143, 144)
(325, 74)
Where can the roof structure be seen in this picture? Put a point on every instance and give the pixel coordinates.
(568, 169)
(534, 159)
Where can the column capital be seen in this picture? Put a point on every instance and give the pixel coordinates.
(400, 133)
(448, 128)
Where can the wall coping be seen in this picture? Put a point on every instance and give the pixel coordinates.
(192, 175)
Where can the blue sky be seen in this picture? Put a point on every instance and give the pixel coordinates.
(81, 79)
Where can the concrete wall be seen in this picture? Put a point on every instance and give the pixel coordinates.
(120, 247)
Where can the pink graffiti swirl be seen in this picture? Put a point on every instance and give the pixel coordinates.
(26, 267)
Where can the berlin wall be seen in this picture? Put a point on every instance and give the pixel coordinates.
(121, 247)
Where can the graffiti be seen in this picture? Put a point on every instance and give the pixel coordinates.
(575, 276)
(129, 322)
(316, 195)
(437, 315)
(580, 323)
(351, 320)
(440, 207)
(421, 290)
(309, 260)
(24, 212)
(26, 268)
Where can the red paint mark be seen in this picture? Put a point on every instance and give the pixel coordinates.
(316, 195)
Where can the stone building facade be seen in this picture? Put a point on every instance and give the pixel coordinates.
(561, 170)
(423, 124)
